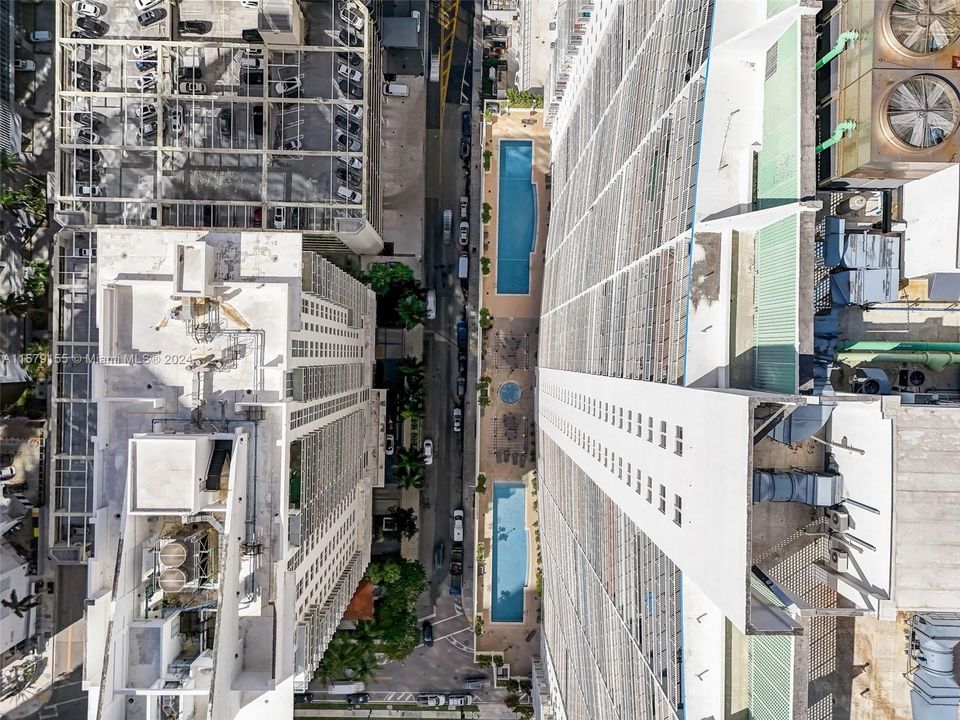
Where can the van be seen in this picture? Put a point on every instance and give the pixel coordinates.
(447, 225)
(458, 526)
(40, 36)
(463, 268)
(431, 304)
(396, 89)
(345, 687)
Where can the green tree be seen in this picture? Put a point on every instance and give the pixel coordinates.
(486, 319)
(478, 625)
(33, 197)
(410, 458)
(483, 400)
(10, 164)
(348, 656)
(409, 479)
(523, 99)
(412, 311)
(384, 277)
(35, 285)
(411, 367)
(38, 360)
(20, 606)
(406, 521)
(481, 483)
(485, 214)
(487, 156)
(10, 200)
(485, 265)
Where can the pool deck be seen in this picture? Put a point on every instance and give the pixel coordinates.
(505, 449)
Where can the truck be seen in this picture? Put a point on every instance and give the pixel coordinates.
(456, 554)
(345, 687)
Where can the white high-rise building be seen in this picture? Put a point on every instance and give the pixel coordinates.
(236, 443)
(715, 519)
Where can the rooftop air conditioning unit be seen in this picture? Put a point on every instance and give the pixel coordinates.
(839, 519)
(840, 560)
(172, 580)
(173, 554)
(898, 82)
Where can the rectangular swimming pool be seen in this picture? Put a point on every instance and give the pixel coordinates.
(509, 551)
(516, 217)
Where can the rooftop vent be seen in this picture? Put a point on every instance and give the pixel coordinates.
(925, 26)
(172, 580)
(923, 111)
(173, 555)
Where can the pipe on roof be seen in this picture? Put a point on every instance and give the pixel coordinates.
(936, 361)
(845, 37)
(842, 129)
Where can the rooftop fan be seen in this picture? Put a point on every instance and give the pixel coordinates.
(925, 26)
(923, 111)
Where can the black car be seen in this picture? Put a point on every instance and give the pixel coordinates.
(349, 178)
(355, 699)
(88, 156)
(350, 126)
(465, 123)
(151, 17)
(84, 68)
(88, 174)
(351, 89)
(97, 28)
(427, 633)
(251, 35)
(193, 27)
(465, 149)
(258, 120)
(251, 77)
(93, 121)
(303, 697)
(143, 65)
(462, 362)
(83, 83)
(353, 59)
(225, 120)
(189, 73)
(82, 35)
(348, 38)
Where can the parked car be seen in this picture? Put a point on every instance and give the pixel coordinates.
(356, 112)
(257, 120)
(192, 88)
(89, 191)
(350, 89)
(90, 119)
(40, 36)
(464, 207)
(461, 386)
(465, 123)
(462, 334)
(97, 28)
(353, 59)
(352, 74)
(352, 179)
(87, 174)
(88, 137)
(465, 149)
(146, 81)
(427, 633)
(252, 63)
(428, 452)
(431, 301)
(87, 9)
(142, 5)
(251, 77)
(388, 444)
(151, 17)
(462, 363)
(292, 145)
(89, 156)
(415, 14)
(457, 419)
(459, 700)
(279, 218)
(84, 84)
(354, 163)
(24, 65)
(476, 682)
(175, 120)
(396, 89)
(147, 131)
(7, 472)
(458, 525)
(344, 140)
(193, 27)
(464, 233)
(350, 126)
(431, 700)
(355, 699)
(349, 195)
(142, 52)
(146, 112)
(350, 17)
(144, 65)
(251, 35)
(289, 86)
(349, 39)
(79, 34)
(225, 122)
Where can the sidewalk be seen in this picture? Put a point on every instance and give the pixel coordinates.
(378, 713)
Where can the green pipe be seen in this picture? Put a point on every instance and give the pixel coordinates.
(841, 130)
(845, 37)
(881, 346)
(935, 361)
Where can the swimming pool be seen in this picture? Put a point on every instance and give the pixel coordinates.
(516, 217)
(509, 551)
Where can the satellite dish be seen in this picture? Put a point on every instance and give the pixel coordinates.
(923, 111)
(173, 555)
(172, 580)
(925, 26)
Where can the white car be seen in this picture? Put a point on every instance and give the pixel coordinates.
(426, 700)
(349, 73)
(351, 162)
(24, 65)
(289, 86)
(428, 452)
(351, 18)
(89, 191)
(457, 419)
(459, 700)
(464, 233)
(192, 88)
(356, 112)
(388, 444)
(145, 4)
(280, 218)
(82, 7)
(349, 195)
(351, 144)
(7, 472)
(146, 81)
(175, 120)
(142, 52)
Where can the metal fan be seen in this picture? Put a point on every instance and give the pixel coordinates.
(923, 111)
(925, 26)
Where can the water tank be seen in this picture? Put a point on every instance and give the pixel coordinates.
(173, 555)
(852, 205)
(172, 580)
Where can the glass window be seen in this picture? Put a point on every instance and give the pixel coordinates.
(678, 440)
(676, 510)
(663, 499)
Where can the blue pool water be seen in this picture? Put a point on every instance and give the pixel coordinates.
(510, 393)
(509, 551)
(516, 217)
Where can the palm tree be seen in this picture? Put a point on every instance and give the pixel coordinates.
(19, 606)
(411, 367)
(412, 311)
(410, 459)
(9, 199)
(408, 478)
(10, 164)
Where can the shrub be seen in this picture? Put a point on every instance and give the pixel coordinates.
(485, 215)
(487, 156)
(481, 483)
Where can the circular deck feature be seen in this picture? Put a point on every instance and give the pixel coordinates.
(510, 393)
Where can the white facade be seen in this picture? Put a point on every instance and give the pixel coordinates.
(14, 578)
(226, 547)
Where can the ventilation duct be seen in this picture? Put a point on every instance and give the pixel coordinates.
(935, 644)
(797, 486)
(801, 424)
